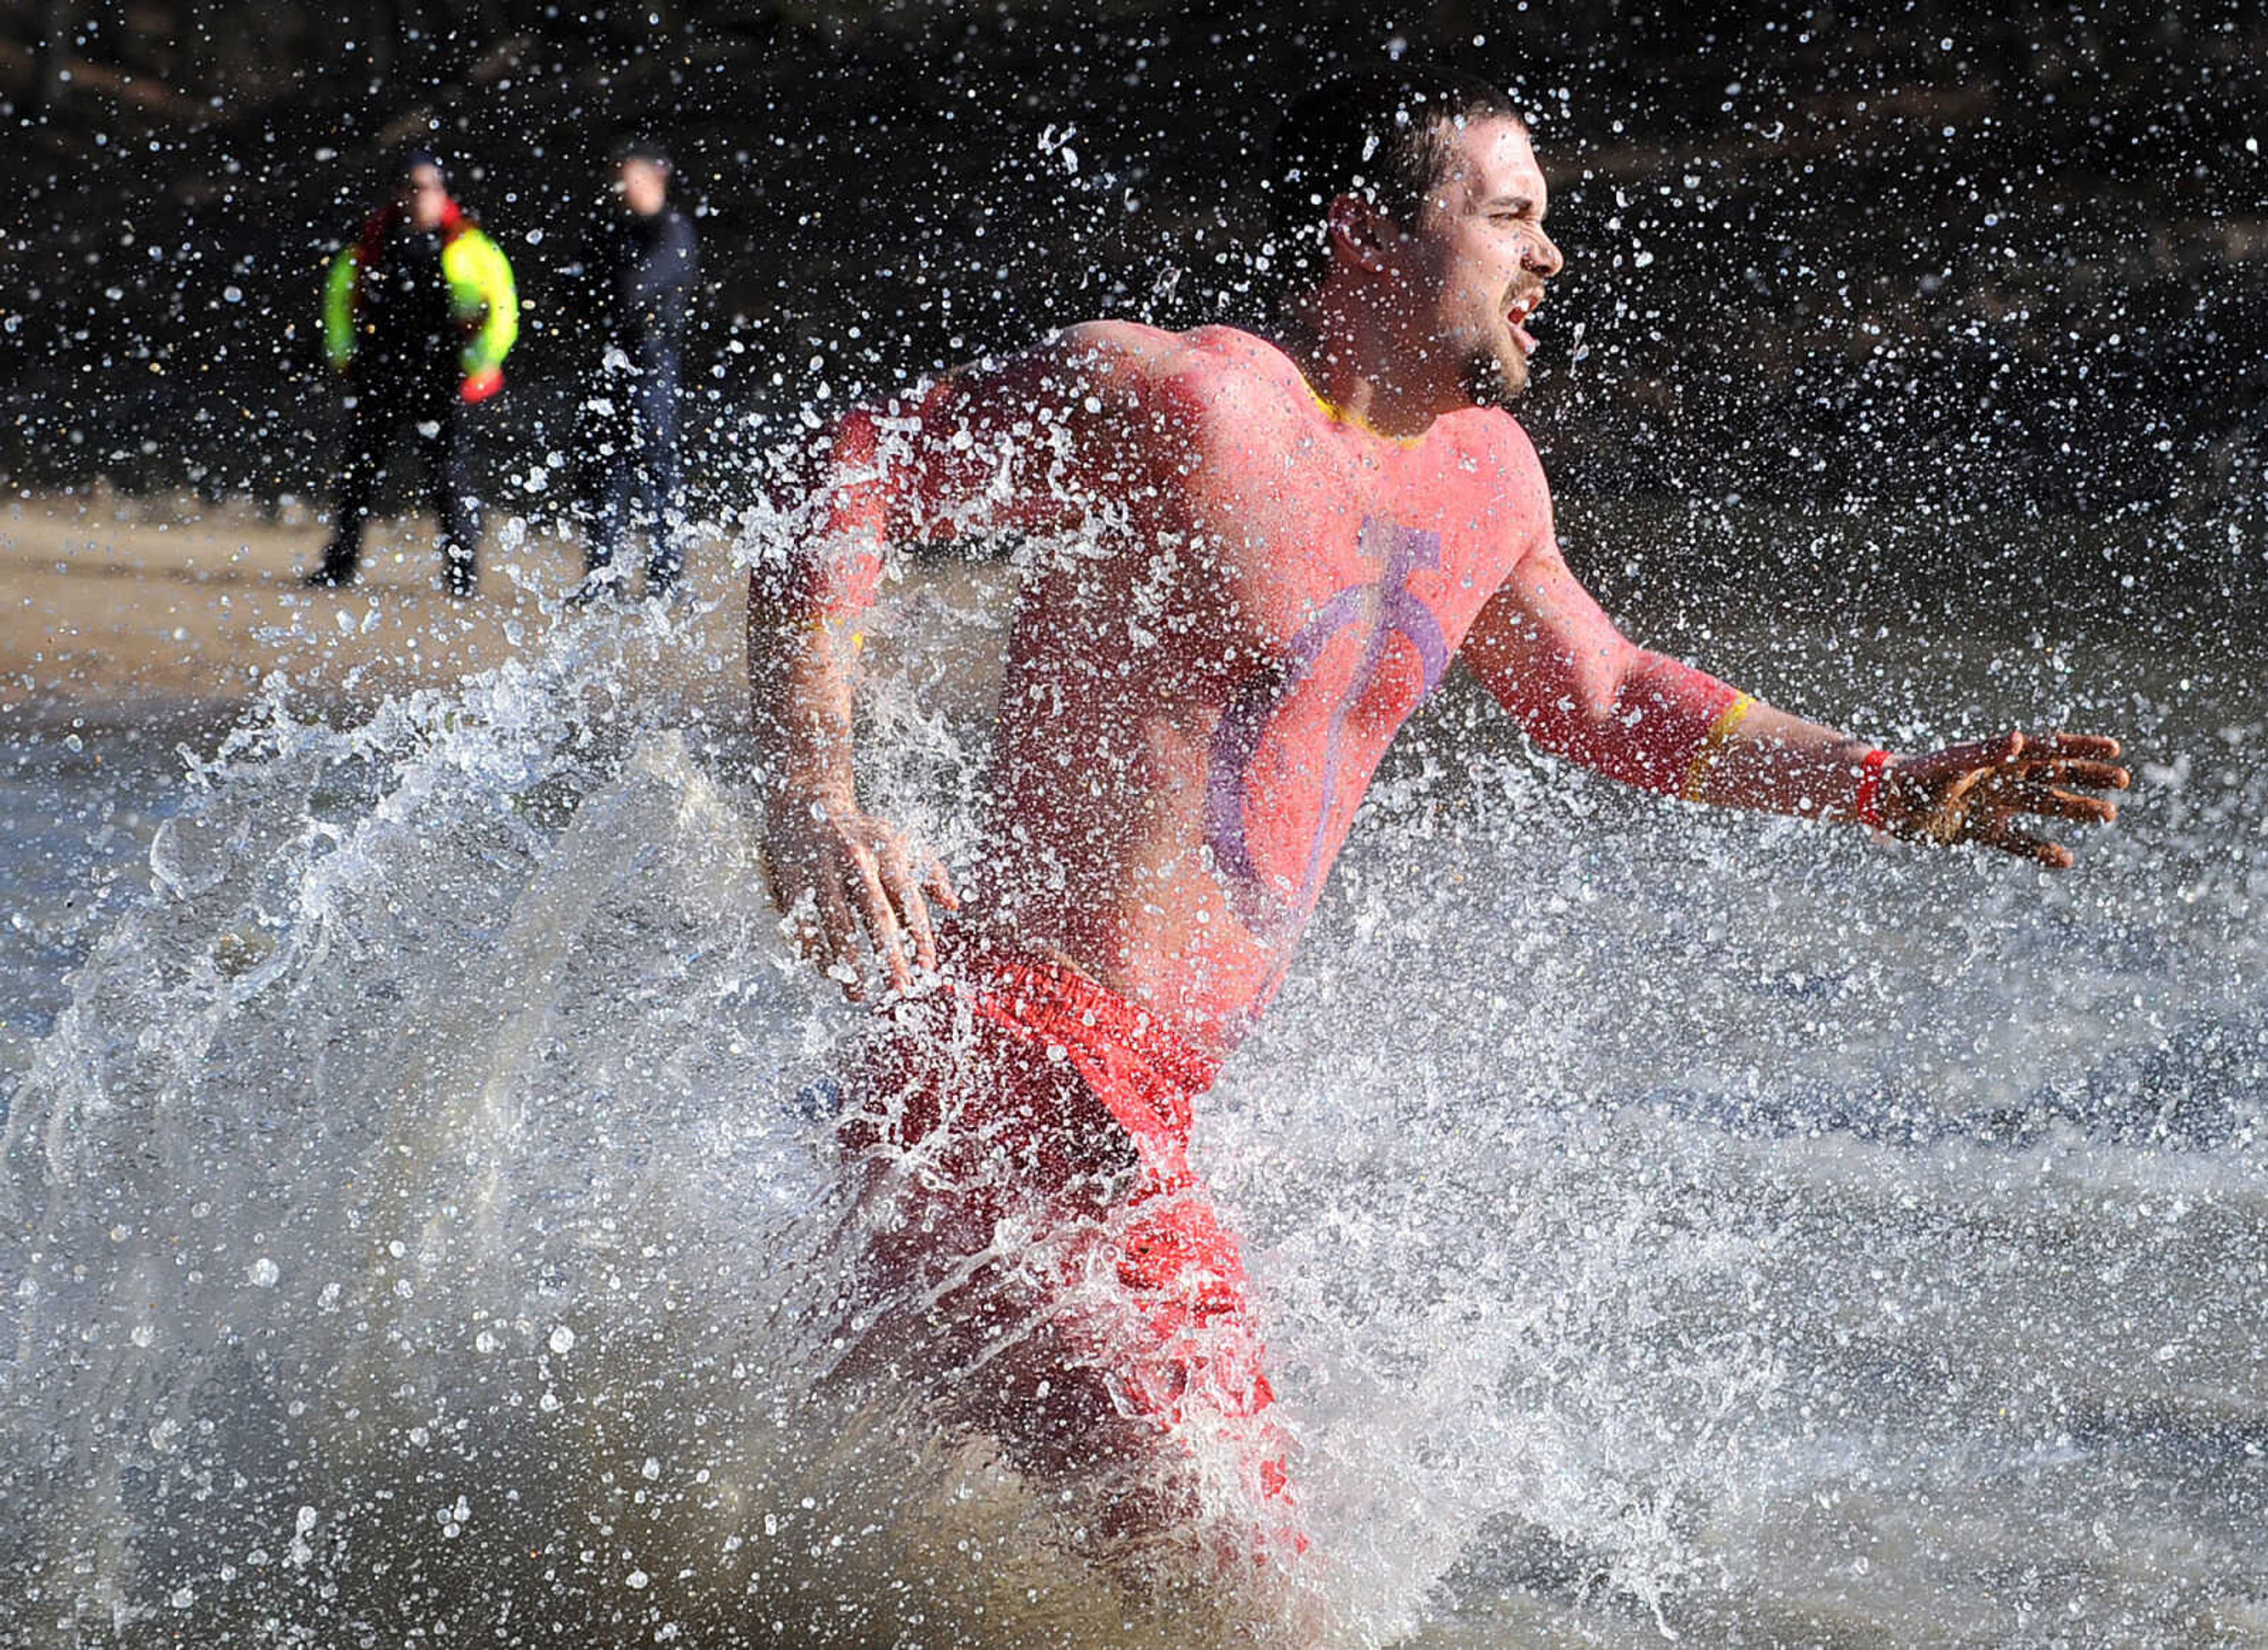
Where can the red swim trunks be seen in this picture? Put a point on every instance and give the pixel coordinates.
(1043, 1260)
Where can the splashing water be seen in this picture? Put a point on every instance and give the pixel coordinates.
(429, 1211)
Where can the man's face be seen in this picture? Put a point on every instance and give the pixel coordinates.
(425, 196)
(645, 187)
(1472, 268)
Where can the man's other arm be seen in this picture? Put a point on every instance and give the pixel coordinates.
(988, 446)
(834, 869)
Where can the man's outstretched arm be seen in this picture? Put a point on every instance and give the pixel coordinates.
(1546, 651)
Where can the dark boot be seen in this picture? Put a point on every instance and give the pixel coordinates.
(335, 571)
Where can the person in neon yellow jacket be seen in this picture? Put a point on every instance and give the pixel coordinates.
(419, 313)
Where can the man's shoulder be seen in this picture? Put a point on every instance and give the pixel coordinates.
(1205, 364)
(1117, 346)
(1495, 440)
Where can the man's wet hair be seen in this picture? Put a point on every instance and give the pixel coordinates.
(1382, 134)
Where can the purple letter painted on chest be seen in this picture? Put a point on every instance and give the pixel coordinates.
(1389, 608)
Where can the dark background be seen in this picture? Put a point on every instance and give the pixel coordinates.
(1858, 258)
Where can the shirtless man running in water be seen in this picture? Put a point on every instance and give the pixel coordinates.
(1285, 540)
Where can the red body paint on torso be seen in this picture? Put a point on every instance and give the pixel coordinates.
(1191, 720)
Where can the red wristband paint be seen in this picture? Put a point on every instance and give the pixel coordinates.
(1866, 806)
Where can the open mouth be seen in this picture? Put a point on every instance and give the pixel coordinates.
(1516, 314)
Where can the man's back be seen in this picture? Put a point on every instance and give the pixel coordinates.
(1256, 595)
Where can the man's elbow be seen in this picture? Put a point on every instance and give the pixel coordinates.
(1594, 720)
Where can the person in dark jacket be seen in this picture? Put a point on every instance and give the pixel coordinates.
(637, 268)
(419, 313)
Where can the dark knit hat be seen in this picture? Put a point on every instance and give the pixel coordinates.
(642, 148)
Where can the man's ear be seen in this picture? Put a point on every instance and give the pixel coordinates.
(1359, 231)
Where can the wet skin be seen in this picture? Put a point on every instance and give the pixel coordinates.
(1286, 542)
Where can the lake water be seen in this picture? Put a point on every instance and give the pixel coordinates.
(1664, 1222)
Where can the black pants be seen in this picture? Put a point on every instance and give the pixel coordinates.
(437, 421)
(632, 472)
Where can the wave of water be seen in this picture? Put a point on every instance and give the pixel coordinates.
(1660, 1222)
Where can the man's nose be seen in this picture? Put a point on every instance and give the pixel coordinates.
(1540, 257)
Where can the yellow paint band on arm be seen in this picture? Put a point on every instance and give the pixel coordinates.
(1712, 748)
(827, 621)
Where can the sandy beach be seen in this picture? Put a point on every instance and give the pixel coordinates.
(123, 610)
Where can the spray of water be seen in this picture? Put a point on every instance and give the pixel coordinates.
(431, 1212)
